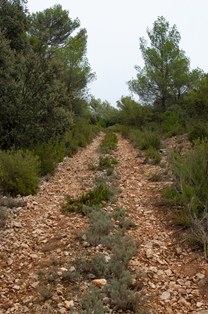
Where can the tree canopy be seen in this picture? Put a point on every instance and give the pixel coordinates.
(164, 78)
(44, 73)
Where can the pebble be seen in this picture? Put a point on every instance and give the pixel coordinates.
(165, 295)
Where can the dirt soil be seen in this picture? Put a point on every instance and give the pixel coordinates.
(39, 238)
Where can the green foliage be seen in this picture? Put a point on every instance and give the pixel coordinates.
(101, 226)
(152, 154)
(3, 216)
(124, 298)
(149, 139)
(19, 171)
(104, 163)
(109, 143)
(45, 292)
(102, 113)
(198, 132)
(52, 26)
(49, 155)
(155, 177)
(92, 302)
(14, 23)
(190, 189)
(132, 113)
(123, 250)
(196, 102)
(101, 193)
(164, 78)
(172, 124)
(119, 215)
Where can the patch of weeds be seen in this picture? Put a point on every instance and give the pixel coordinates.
(109, 171)
(3, 217)
(52, 276)
(198, 132)
(155, 177)
(10, 202)
(104, 163)
(119, 215)
(123, 251)
(149, 139)
(100, 194)
(92, 167)
(109, 143)
(45, 292)
(92, 302)
(107, 162)
(152, 156)
(101, 226)
(123, 297)
(70, 276)
(55, 261)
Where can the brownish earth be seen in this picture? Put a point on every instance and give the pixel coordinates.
(40, 239)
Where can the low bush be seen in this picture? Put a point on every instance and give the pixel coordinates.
(109, 143)
(152, 156)
(101, 193)
(3, 216)
(49, 155)
(198, 132)
(92, 302)
(155, 177)
(149, 139)
(19, 172)
(101, 226)
(123, 297)
(172, 124)
(190, 188)
(96, 265)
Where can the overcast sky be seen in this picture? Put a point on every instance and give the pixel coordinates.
(114, 28)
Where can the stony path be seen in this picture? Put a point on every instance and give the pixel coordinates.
(39, 235)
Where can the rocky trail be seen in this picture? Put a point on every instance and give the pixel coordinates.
(40, 238)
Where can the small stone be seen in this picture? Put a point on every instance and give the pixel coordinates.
(10, 261)
(149, 253)
(179, 250)
(85, 244)
(165, 295)
(16, 287)
(34, 256)
(69, 304)
(168, 272)
(200, 276)
(99, 282)
(17, 224)
(35, 284)
(199, 304)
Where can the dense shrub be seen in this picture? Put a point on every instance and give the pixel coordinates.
(172, 124)
(101, 193)
(49, 154)
(109, 143)
(198, 132)
(190, 190)
(19, 171)
(149, 139)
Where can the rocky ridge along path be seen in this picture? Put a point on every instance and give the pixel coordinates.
(39, 235)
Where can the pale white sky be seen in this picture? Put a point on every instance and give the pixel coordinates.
(114, 28)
